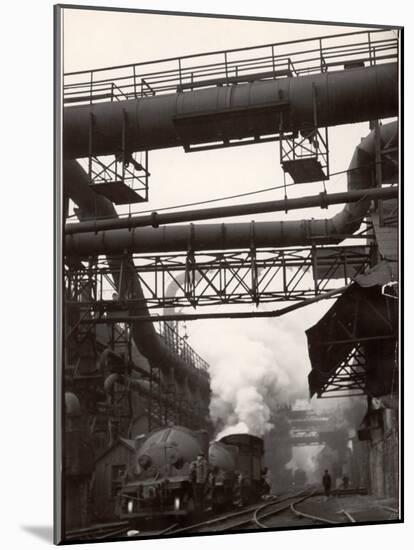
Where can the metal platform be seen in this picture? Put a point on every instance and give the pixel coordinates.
(304, 170)
(117, 192)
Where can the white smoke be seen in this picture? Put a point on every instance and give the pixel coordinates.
(256, 365)
(305, 458)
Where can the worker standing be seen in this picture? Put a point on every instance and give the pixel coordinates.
(327, 482)
(345, 482)
(199, 476)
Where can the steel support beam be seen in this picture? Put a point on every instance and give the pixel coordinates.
(197, 279)
(234, 315)
(349, 376)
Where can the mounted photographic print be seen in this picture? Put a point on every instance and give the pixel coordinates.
(227, 274)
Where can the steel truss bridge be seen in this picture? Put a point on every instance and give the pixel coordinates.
(194, 279)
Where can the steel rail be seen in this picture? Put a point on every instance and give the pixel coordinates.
(312, 517)
(253, 519)
(214, 521)
(349, 516)
(96, 532)
(225, 518)
(257, 520)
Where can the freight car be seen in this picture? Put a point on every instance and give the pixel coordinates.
(163, 484)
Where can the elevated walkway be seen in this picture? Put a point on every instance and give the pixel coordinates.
(231, 67)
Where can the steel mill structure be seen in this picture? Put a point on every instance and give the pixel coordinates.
(126, 372)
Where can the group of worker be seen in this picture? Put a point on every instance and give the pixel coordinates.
(202, 477)
(203, 481)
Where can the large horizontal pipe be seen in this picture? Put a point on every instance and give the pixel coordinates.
(259, 108)
(262, 235)
(155, 219)
(218, 236)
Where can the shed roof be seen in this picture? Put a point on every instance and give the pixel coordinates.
(362, 314)
(127, 443)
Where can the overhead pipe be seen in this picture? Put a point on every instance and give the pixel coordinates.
(263, 234)
(217, 114)
(148, 341)
(323, 200)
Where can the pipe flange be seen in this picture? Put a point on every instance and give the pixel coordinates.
(324, 200)
(154, 220)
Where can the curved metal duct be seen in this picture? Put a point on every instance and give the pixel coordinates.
(233, 112)
(148, 342)
(104, 359)
(110, 380)
(263, 234)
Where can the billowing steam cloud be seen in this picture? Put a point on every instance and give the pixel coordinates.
(256, 365)
(306, 459)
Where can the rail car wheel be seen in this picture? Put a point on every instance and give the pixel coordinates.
(191, 505)
(188, 503)
(219, 501)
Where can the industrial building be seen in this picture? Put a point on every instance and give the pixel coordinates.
(130, 280)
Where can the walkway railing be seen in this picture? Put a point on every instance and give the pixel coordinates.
(229, 67)
(180, 347)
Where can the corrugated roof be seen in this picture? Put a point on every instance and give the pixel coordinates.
(359, 314)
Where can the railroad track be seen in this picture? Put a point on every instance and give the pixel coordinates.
(98, 532)
(319, 519)
(250, 517)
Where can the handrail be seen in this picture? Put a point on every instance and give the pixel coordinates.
(279, 62)
(321, 56)
(180, 346)
(233, 50)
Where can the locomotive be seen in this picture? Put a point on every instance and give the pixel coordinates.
(162, 484)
